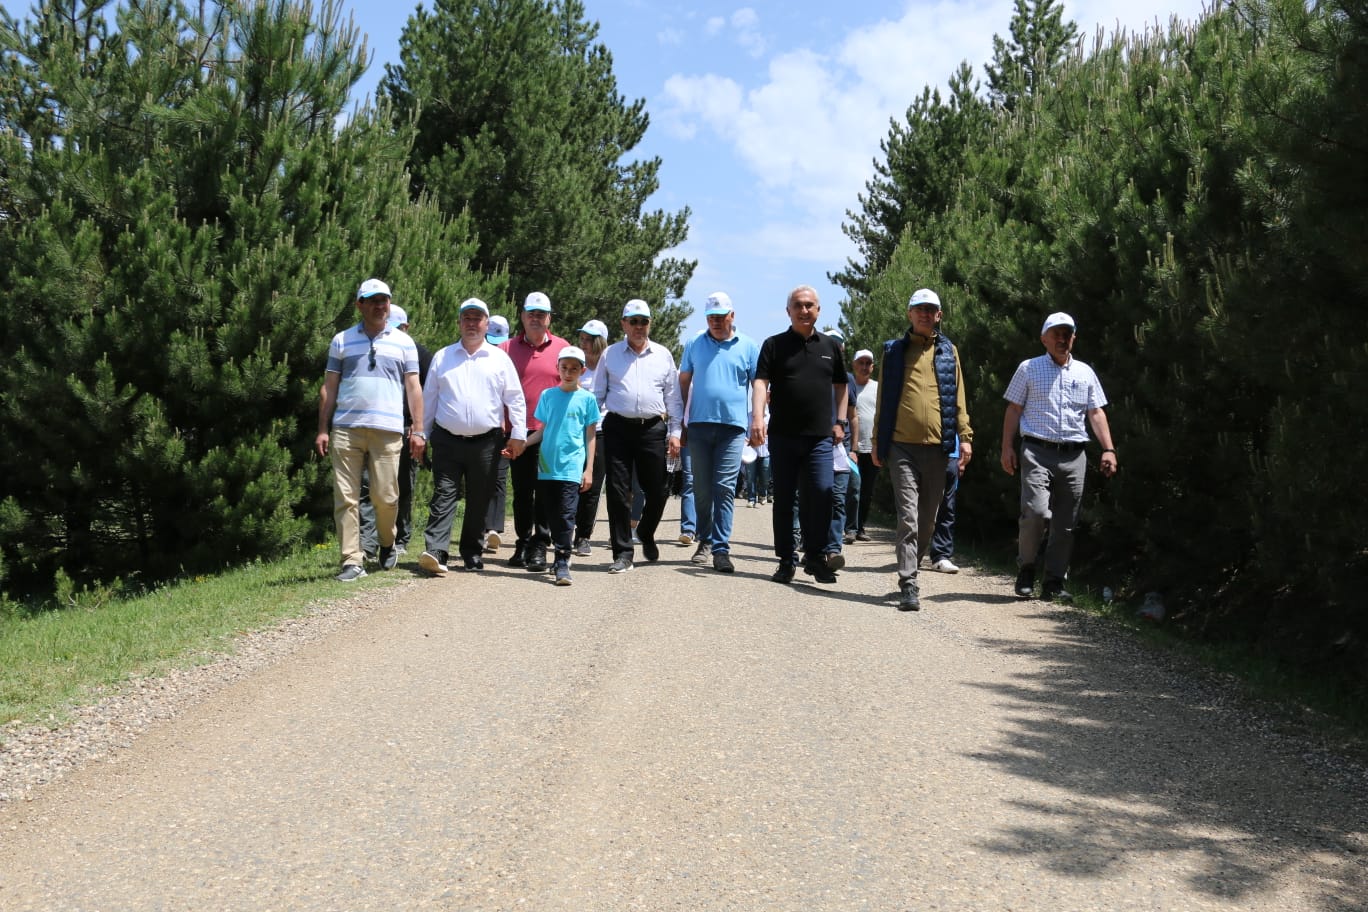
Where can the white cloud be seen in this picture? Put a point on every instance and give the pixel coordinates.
(672, 37)
(715, 24)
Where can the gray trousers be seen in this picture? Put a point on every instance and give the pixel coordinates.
(917, 474)
(1051, 495)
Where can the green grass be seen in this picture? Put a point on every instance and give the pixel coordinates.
(55, 660)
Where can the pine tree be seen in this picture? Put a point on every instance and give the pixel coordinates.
(186, 224)
(1026, 64)
(519, 122)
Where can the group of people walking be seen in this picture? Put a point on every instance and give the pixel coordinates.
(570, 420)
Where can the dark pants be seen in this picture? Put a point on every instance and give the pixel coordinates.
(589, 500)
(498, 498)
(801, 463)
(529, 513)
(403, 521)
(562, 499)
(476, 460)
(943, 539)
(634, 447)
(868, 472)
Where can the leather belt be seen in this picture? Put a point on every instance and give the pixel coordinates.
(639, 422)
(1071, 446)
(480, 436)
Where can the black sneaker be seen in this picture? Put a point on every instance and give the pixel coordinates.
(910, 599)
(389, 558)
(862, 536)
(350, 573)
(819, 571)
(621, 565)
(1025, 584)
(519, 558)
(473, 563)
(536, 559)
(722, 562)
(583, 548)
(784, 574)
(1053, 591)
(650, 550)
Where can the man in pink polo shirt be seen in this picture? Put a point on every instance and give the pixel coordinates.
(535, 352)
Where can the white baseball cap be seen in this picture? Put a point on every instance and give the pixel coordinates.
(372, 287)
(924, 296)
(636, 308)
(498, 330)
(571, 351)
(719, 304)
(864, 353)
(595, 328)
(837, 335)
(1059, 318)
(474, 304)
(397, 317)
(537, 301)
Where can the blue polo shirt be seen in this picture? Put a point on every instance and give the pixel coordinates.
(720, 390)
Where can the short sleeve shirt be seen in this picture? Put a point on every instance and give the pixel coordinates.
(801, 373)
(370, 393)
(1055, 399)
(564, 416)
(721, 377)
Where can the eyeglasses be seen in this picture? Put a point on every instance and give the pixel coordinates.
(638, 321)
(718, 316)
(926, 309)
(372, 356)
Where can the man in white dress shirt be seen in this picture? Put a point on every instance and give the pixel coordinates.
(469, 385)
(637, 387)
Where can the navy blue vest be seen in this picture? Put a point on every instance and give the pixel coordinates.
(894, 371)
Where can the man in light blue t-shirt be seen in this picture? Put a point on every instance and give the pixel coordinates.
(715, 377)
(372, 368)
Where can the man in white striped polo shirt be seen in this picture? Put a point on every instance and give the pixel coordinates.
(372, 367)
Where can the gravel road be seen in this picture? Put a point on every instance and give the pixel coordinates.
(677, 739)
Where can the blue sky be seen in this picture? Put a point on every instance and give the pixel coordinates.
(768, 115)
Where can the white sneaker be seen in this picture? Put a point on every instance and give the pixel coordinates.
(944, 566)
(686, 538)
(492, 541)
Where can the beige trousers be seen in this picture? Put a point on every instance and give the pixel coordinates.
(353, 449)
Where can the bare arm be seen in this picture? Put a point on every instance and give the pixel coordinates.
(414, 391)
(327, 401)
(1011, 423)
(1102, 431)
(759, 393)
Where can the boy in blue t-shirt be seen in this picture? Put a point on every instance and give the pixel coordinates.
(565, 464)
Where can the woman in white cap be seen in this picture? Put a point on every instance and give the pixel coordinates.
(593, 339)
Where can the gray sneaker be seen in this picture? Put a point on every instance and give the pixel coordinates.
(910, 598)
(389, 558)
(562, 574)
(350, 573)
(702, 553)
(583, 548)
(621, 565)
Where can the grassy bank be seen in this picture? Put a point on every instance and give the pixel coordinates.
(53, 660)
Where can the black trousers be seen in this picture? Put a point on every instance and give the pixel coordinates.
(634, 446)
(589, 500)
(562, 499)
(474, 459)
(530, 521)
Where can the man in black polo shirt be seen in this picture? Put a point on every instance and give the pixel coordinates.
(799, 370)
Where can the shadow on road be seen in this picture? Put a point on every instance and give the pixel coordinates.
(1159, 759)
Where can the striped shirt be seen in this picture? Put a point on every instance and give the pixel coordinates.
(1055, 399)
(370, 393)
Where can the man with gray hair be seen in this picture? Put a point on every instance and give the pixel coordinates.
(1051, 401)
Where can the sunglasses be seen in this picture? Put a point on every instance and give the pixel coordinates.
(638, 321)
(372, 356)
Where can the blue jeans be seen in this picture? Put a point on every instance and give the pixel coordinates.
(715, 453)
(943, 540)
(688, 515)
(757, 478)
(801, 462)
(840, 484)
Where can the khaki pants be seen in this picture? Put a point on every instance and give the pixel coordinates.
(353, 449)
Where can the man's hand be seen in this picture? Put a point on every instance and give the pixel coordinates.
(966, 454)
(673, 448)
(515, 448)
(321, 444)
(1009, 459)
(417, 444)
